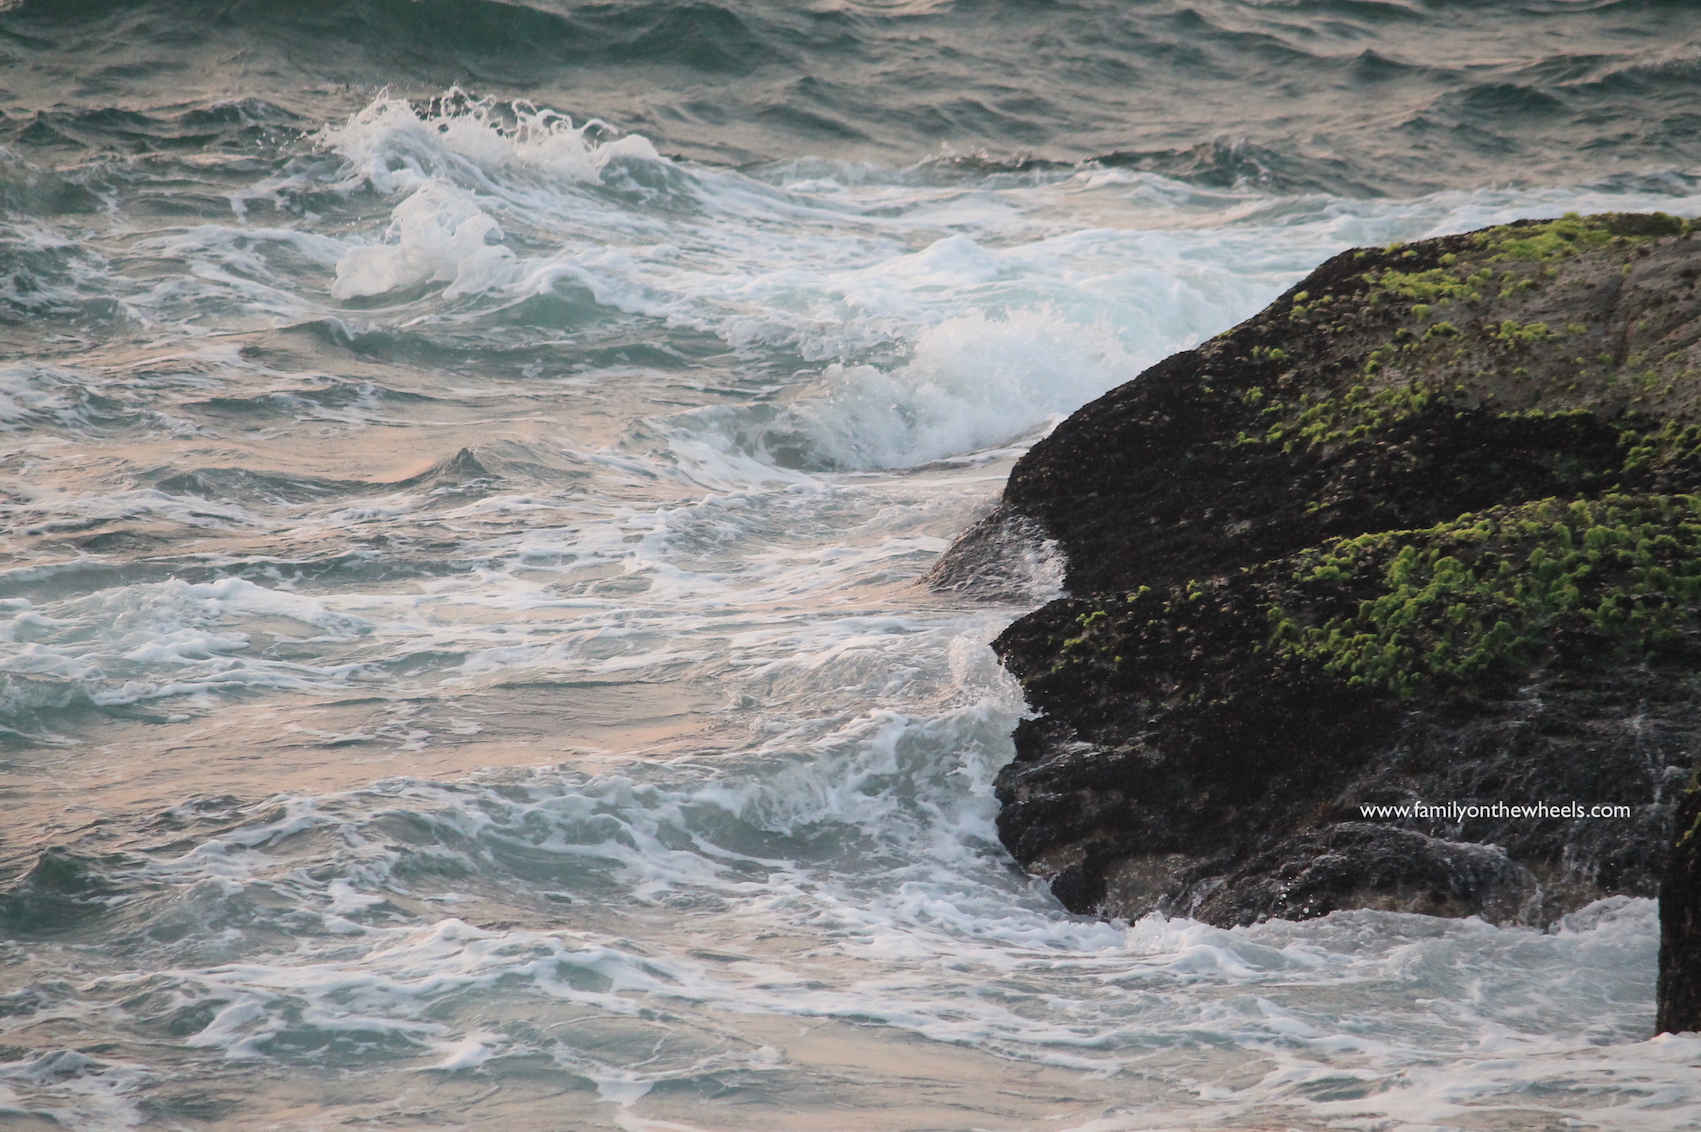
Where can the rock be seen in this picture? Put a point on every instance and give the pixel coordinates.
(1005, 557)
(1425, 531)
(1679, 996)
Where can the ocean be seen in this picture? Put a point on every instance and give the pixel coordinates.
(467, 472)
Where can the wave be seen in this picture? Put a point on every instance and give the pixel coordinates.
(1349, 96)
(241, 125)
(516, 39)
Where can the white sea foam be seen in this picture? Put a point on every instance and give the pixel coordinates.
(67, 1088)
(440, 236)
(390, 145)
(29, 396)
(140, 642)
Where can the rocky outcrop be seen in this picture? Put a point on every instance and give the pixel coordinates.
(1678, 998)
(1424, 532)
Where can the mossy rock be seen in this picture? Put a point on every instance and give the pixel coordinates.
(1425, 528)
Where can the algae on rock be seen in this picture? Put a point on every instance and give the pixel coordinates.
(1425, 529)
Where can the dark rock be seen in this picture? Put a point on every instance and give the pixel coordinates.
(1679, 995)
(1423, 531)
(1368, 865)
(1004, 557)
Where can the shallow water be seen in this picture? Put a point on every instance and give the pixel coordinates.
(463, 662)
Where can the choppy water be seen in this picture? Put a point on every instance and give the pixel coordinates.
(461, 656)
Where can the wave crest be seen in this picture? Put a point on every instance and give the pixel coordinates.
(392, 145)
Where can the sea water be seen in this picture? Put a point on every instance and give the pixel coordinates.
(464, 659)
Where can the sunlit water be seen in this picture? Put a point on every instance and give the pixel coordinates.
(464, 658)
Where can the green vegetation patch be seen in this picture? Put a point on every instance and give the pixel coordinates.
(1437, 285)
(1571, 234)
(1360, 412)
(1487, 594)
(1673, 444)
(1512, 258)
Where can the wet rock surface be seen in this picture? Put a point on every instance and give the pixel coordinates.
(1678, 999)
(1424, 531)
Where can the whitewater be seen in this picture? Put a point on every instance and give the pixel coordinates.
(465, 659)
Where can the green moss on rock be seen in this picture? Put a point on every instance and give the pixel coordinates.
(1489, 594)
(1572, 234)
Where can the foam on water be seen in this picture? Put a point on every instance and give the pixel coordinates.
(1012, 318)
(392, 146)
(718, 424)
(143, 642)
(873, 844)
